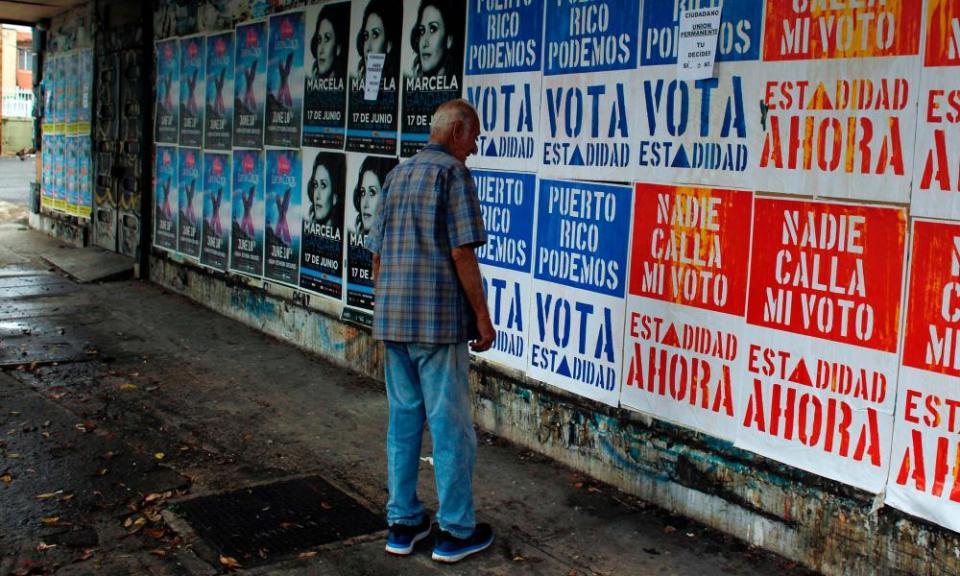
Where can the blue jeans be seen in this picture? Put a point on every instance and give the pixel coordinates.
(428, 383)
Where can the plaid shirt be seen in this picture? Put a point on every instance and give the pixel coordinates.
(429, 205)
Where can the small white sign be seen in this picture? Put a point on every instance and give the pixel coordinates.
(697, 48)
(374, 63)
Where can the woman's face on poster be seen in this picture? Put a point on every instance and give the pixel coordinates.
(326, 47)
(434, 41)
(369, 198)
(374, 36)
(323, 198)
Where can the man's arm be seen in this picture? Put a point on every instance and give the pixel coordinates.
(468, 271)
(376, 270)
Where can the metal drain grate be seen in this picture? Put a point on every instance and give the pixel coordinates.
(255, 525)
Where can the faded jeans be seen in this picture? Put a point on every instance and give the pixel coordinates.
(428, 383)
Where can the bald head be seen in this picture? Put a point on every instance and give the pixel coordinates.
(447, 116)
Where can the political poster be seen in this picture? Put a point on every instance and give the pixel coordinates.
(839, 99)
(508, 202)
(579, 284)
(282, 212)
(936, 178)
(60, 96)
(165, 198)
(924, 479)
(686, 305)
(587, 113)
(190, 203)
(218, 126)
(247, 215)
(168, 92)
(84, 177)
(59, 173)
(324, 197)
(284, 80)
(365, 176)
(823, 313)
(372, 123)
(329, 44)
(250, 84)
(46, 170)
(502, 81)
(85, 92)
(217, 176)
(432, 65)
(192, 84)
(698, 131)
(70, 179)
(70, 92)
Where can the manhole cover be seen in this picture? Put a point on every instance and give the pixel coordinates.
(258, 524)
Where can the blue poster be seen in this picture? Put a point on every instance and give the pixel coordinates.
(71, 178)
(192, 84)
(84, 177)
(216, 210)
(85, 91)
(284, 80)
(580, 274)
(218, 127)
(325, 75)
(283, 216)
(503, 63)
(507, 201)
(324, 194)
(704, 131)
(46, 174)
(168, 92)
(247, 218)
(250, 85)
(165, 199)
(59, 172)
(72, 90)
(190, 185)
(594, 36)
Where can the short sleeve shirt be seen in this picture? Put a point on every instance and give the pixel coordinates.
(429, 205)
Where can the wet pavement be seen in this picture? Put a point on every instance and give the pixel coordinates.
(121, 403)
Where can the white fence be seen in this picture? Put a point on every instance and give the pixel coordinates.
(17, 103)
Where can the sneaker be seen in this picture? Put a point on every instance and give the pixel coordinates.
(451, 549)
(401, 538)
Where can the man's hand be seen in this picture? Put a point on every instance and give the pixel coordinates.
(487, 334)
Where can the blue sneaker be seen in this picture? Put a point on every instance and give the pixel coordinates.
(450, 549)
(401, 538)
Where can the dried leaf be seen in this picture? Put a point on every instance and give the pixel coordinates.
(102, 472)
(669, 530)
(159, 552)
(66, 497)
(155, 533)
(128, 522)
(518, 558)
(305, 555)
(152, 514)
(45, 434)
(326, 505)
(229, 562)
(50, 520)
(48, 495)
(6, 478)
(109, 455)
(159, 455)
(578, 485)
(593, 489)
(42, 547)
(12, 455)
(153, 496)
(139, 522)
(128, 387)
(87, 554)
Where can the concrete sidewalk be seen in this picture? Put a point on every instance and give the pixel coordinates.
(120, 399)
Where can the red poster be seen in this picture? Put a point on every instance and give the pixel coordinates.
(690, 246)
(814, 273)
(826, 29)
(943, 33)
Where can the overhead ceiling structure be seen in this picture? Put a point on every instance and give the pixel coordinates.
(31, 12)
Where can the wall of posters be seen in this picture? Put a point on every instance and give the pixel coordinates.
(502, 67)
(192, 89)
(284, 80)
(432, 65)
(823, 312)
(579, 283)
(282, 211)
(324, 197)
(587, 114)
(328, 45)
(218, 128)
(217, 176)
(686, 306)
(372, 123)
(704, 131)
(508, 201)
(840, 89)
(165, 196)
(365, 176)
(936, 178)
(247, 215)
(250, 85)
(924, 479)
(190, 186)
(167, 121)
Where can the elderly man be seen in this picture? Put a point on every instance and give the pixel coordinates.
(430, 303)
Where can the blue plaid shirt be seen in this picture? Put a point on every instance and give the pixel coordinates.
(429, 205)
